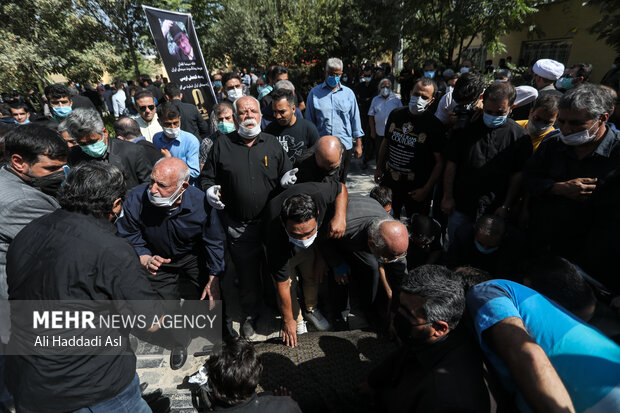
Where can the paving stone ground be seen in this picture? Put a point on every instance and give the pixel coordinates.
(153, 362)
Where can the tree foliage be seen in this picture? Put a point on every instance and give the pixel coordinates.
(83, 38)
(607, 27)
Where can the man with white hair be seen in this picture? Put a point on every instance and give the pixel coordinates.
(333, 109)
(188, 264)
(243, 172)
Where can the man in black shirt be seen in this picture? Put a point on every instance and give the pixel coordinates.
(323, 163)
(295, 134)
(127, 129)
(243, 172)
(410, 160)
(438, 367)
(484, 162)
(191, 119)
(95, 145)
(293, 220)
(574, 181)
(83, 260)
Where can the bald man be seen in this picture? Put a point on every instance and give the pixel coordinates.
(323, 163)
(177, 236)
(371, 239)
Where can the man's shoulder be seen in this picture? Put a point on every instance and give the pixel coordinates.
(16, 193)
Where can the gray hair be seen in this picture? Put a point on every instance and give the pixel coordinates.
(586, 97)
(183, 176)
(62, 126)
(334, 63)
(82, 121)
(374, 232)
(443, 293)
(385, 79)
(218, 109)
(284, 84)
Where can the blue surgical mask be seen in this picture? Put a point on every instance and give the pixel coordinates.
(217, 84)
(483, 250)
(226, 127)
(62, 111)
(96, 150)
(429, 74)
(493, 121)
(565, 83)
(260, 89)
(332, 81)
(27, 121)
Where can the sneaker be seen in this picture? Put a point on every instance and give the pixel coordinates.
(316, 318)
(247, 328)
(301, 328)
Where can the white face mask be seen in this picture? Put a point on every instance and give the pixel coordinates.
(536, 129)
(172, 132)
(234, 94)
(464, 69)
(160, 201)
(579, 138)
(304, 243)
(417, 105)
(247, 132)
(385, 91)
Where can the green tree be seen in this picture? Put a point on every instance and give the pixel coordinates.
(444, 29)
(607, 27)
(42, 37)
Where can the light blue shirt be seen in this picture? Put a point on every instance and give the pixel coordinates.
(335, 113)
(587, 362)
(185, 147)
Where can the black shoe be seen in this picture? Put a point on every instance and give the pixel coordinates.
(178, 357)
(143, 386)
(161, 405)
(248, 326)
(152, 396)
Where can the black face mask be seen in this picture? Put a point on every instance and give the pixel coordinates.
(48, 184)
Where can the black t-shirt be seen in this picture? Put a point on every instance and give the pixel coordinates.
(412, 142)
(485, 159)
(279, 249)
(295, 139)
(309, 171)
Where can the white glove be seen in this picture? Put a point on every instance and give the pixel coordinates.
(289, 178)
(213, 197)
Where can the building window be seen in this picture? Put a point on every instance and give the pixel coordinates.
(545, 49)
(477, 54)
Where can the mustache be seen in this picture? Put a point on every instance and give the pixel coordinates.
(249, 123)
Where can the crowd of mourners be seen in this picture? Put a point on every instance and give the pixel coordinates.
(487, 249)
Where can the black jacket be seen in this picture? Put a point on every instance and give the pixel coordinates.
(83, 260)
(191, 120)
(152, 152)
(129, 157)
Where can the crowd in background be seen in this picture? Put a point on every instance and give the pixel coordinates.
(491, 234)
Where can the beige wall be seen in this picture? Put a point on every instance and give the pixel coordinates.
(563, 20)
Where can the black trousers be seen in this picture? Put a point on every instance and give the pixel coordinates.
(363, 284)
(400, 196)
(346, 163)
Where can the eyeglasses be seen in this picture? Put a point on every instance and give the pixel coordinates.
(384, 260)
(143, 108)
